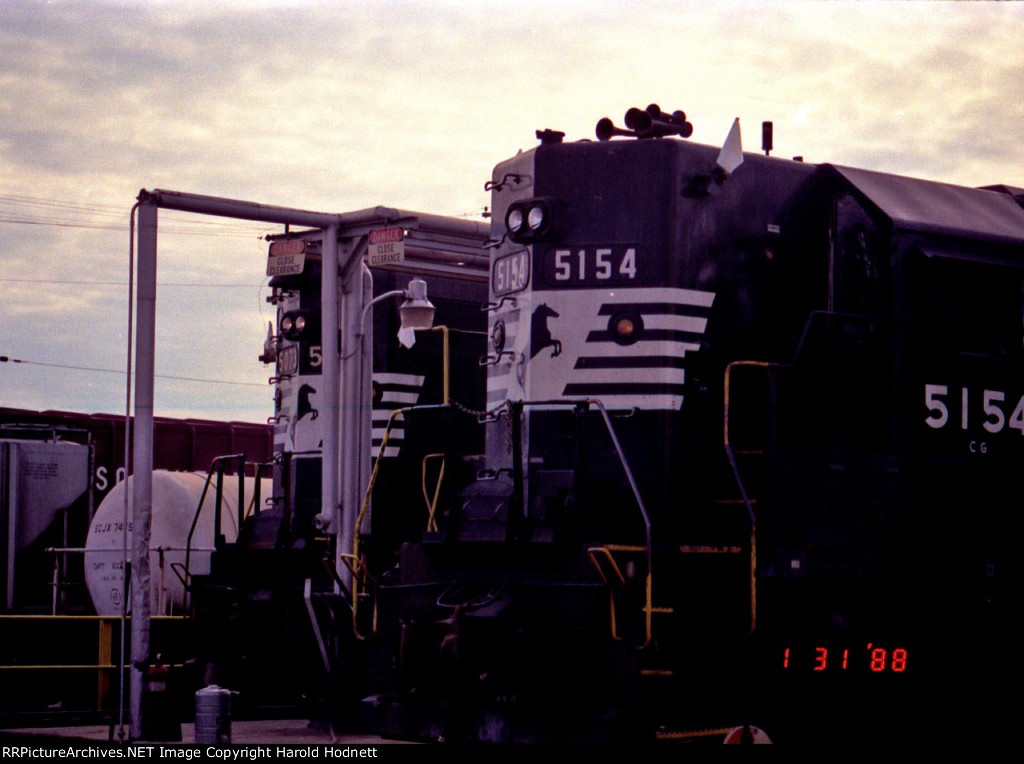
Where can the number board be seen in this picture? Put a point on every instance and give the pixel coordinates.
(288, 360)
(593, 265)
(511, 273)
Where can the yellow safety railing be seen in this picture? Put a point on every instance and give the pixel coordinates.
(360, 575)
(432, 503)
(105, 663)
(607, 552)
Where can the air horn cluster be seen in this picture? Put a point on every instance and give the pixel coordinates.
(651, 122)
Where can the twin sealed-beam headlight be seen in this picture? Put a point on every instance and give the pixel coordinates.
(514, 220)
(298, 325)
(529, 219)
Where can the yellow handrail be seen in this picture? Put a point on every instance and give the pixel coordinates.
(447, 361)
(432, 505)
(352, 561)
(648, 608)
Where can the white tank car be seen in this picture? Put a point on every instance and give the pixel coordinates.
(175, 498)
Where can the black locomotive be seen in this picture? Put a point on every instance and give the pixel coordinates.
(753, 432)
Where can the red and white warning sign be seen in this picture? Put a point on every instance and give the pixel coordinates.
(287, 257)
(387, 247)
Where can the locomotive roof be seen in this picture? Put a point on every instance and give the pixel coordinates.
(940, 208)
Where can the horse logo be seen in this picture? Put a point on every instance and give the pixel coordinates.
(540, 334)
(304, 407)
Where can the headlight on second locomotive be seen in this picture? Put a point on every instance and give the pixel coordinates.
(299, 325)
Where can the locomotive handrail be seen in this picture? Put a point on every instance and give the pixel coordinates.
(446, 366)
(492, 360)
(725, 430)
(352, 561)
(739, 480)
(216, 464)
(629, 477)
(731, 454)
(649, 608)
(615, 442)
(489, 306)
(432, 505)
(797, 352)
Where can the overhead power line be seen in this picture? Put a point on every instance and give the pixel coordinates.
(82, 282)
(6, 359)
(17, 209)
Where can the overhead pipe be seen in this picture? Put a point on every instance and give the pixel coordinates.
(266, 213)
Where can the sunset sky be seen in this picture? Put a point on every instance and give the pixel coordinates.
(336, 106)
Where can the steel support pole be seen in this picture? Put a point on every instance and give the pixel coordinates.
(351, 298)
(330, 404)
(142, 483)
(364, 465)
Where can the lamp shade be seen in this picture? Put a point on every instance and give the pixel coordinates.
(417, 312)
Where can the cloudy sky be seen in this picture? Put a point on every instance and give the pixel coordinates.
(335, 106)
